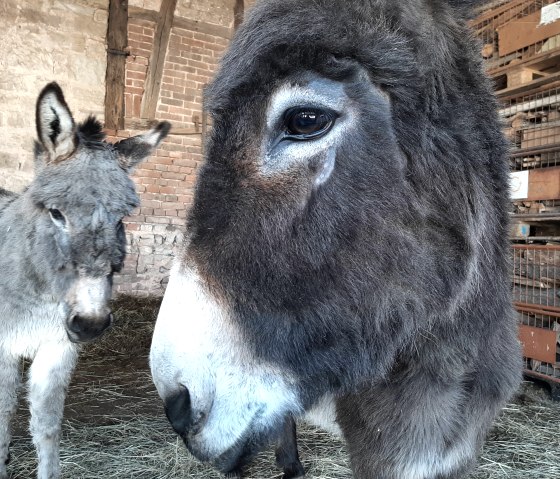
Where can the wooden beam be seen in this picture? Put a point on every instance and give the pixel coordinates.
(157, 59)
(181, 22)
(139, 13)
(490, 13)
(202, 27)
(549, 80)
(238, 12)
(117, 42)
(524, 32)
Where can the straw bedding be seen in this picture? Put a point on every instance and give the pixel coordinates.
(114, 425)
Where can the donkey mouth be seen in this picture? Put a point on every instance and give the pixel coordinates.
(230, 461)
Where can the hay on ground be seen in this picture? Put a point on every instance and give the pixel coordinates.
(114, 425)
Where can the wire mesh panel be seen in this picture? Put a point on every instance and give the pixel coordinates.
(536, 291)
(533, 125)
(521, 49)
(536, 275)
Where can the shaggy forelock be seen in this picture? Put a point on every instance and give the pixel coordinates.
(92, 177)
(278, 39)
(91, 134)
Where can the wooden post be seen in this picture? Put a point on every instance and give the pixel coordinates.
(238, 12)
(157, 59)
(117, 42)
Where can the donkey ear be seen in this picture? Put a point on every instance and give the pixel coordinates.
(55, 126)
(134, 150)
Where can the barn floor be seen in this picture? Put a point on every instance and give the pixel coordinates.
(114, 425)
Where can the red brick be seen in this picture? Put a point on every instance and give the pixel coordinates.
(173, 176)
(152, 189)
(204, 37)
(158, 219)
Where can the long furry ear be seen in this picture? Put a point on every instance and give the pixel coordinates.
(55, 125)
(134, 150)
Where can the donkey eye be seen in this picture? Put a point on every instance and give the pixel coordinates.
(56, 215)
(306, 123)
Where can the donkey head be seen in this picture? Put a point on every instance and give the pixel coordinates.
(81, 194)
(310, 259)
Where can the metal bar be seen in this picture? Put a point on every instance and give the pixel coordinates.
(535, 150)
(535, 238)
(535, 247)
(544, 377)
(537, 309)
(536, 217)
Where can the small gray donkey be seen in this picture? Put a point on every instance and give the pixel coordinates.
(60, 243)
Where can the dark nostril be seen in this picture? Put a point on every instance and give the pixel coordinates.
(109, 320)
(198, 421)
(75, 324)
(85, 329)
(178, 411)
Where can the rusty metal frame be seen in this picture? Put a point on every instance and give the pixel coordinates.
(539, 316)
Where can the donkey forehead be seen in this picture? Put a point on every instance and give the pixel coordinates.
(88, 179)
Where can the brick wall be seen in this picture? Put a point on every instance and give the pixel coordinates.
(166, 181)
(62, 40)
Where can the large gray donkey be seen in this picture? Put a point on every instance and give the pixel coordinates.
(60, 243)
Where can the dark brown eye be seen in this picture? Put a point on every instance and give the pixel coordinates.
(56, 215)
(305, 123)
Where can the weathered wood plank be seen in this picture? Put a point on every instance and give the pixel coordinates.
(117, 42)
(521, 33)
(238, 13)
(157, 59)
(202, 27)
(538, 343)
(139, 13)
(490, 13)
(544, 183)
(181, 22)
(550, 81)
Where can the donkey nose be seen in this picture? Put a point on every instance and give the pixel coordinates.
(180, 414)
(82, 329)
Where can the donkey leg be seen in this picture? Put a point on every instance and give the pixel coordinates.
(49, 377)
(287, 457)
(9, 384)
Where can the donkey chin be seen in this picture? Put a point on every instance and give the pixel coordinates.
(89, 315)
(204, 434)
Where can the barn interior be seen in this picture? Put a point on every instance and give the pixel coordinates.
(131, 62)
